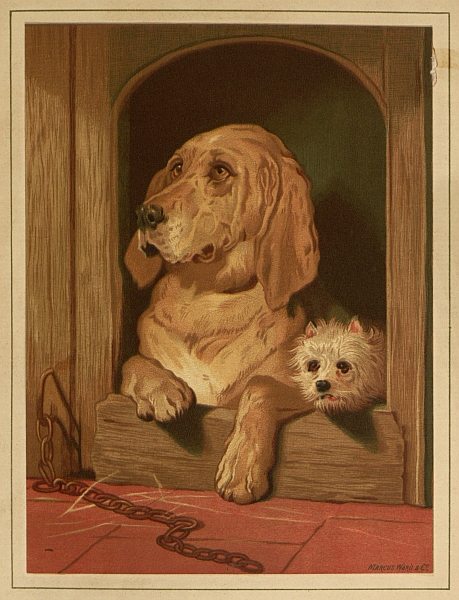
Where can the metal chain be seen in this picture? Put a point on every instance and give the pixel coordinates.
(179, 527)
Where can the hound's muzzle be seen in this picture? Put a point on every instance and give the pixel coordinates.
(149, 216)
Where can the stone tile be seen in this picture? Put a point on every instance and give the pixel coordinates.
(129, 550)
(389, 512)
(314, 512)
(262, 525)
(350, 546)
(47, 550)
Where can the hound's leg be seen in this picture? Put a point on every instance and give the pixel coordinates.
(250, 451)
(158, 393)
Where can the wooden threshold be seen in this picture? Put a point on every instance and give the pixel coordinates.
(358, 458)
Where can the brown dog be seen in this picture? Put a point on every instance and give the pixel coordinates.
(231, 219)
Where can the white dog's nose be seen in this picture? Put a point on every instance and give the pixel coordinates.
(323, 385)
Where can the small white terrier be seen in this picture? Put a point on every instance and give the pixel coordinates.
(341, 367)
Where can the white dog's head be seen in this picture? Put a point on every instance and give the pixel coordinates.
(341, 367)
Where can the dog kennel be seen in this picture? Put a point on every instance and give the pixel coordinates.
(106, 107)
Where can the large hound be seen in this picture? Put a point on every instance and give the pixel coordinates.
(229, 223)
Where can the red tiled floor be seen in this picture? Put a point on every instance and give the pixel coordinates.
(274, 507)
(49, 550)
(384, 512)
(353, 546)
(129, 550)
(69, 535)
(248, 526)
(60, 528)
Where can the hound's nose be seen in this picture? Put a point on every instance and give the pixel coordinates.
(149, 216)
(323, 385)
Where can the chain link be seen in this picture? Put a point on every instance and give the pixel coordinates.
(179, 527)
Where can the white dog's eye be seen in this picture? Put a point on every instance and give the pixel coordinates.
(343, 366)
(219, 172)
(176, 169)
(313, 366)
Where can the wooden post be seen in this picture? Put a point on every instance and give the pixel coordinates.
(406, 249)
(48, 229)
(96, 251)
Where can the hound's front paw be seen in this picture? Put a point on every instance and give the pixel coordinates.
(165, 402)
(242, 476)
(158, 393)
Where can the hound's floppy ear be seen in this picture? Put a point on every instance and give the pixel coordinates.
(144, 269)
(288, 255)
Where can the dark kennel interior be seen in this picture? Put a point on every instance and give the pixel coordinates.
(329, 120)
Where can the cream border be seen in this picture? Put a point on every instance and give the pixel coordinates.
(234, 584)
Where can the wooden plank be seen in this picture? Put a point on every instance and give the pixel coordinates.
(406, 248)
(48, 254)
(356, 460)
(96, 251)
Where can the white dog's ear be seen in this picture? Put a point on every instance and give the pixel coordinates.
(355, 326)
(144, 269)
(288, 255)
(310, 330)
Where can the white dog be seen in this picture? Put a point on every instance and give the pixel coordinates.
(341, 367)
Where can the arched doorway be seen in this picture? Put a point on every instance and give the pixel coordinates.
(324, 112)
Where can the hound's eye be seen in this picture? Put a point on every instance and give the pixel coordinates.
(176, 169)
(313, 365)
(219, 172)
(343, 366)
